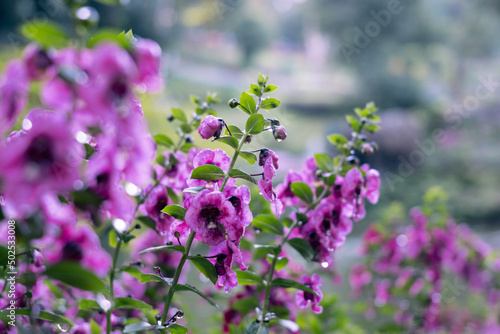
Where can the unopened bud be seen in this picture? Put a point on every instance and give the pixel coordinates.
(189, 139)
(177, 234)
(279, 133)
(367, 149)
(352, 160)
(170, 118)
(248, 139)
(233, 103)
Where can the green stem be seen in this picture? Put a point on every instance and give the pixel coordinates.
(177, 274)
(233, 160)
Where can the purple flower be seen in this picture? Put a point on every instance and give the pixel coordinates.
(37, 61)
(45, 159)
(155, 202)
(223, 255)
(211, 217)
(147, 56)
(359, 277)
(302, 298)
(331, 225)
(267, 191)
(14, 87)
(211, 127)
(215, 157)
(240, 199)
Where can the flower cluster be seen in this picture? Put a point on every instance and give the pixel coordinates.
(424, 268)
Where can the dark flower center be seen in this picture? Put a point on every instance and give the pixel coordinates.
(211, 214)
(236, 202)
(219, 264)
(263, 155)
(308, 295)
(42, 60)
(160, 204)
(119, 88)
(40, 152)
(172, 171)
(72, 252)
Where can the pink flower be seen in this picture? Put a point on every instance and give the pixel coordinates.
(267, 191)
(331, 225)
(359, 277)
(240, 199)
(155, 202)
(215, 157)
(211, 127)
(302, 298)
(211, 217)
(37, 61)
(382, 294)
(14, 88)
(147, 56)
(283, 191)
(225, 253)
(45, 159)
(279, 133)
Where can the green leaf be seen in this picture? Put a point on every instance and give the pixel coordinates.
(231, 141)
(139, 326)
(257, 327)
(176, 211)
(109, 35)
(94, 327)
(262, 79)
(245, 305)
(178, 248)
(372, 128)
(255, 124)
(270, 88)
(145, 220)
(46, 33)
(145, 278)
(248, 277)
(280, 263)
(186, 128)
(131, 270)
(302, 191)
(89, 304)
(324, 162)
(268, 223)
(236, 173)
(208, 173)
(72, 274)
(255, 90)
(193, 190)
(290, 283)
(130, 303)
(4, 255)
(177, 329)
(187, 287)
(43, 315)
(269, 249)
(303, 247)
(247, 103)
(163, 140)
(89, 150)
(248, 156)
(186, 147)
(109, 2)
(337, 139)
(205, 267)
(235, 131)
(179, 114)
(270, 103)
(113, 238)
(353, 122)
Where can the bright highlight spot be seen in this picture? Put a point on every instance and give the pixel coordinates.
(132, 189)
(81, 137)
(119, 225)
(27, 124)
(402, 240)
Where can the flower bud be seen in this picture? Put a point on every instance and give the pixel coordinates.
(189, 139)
(233, 103)
(367, 149)
(170, 118)
(248, 139)
(211, 127)
(279, 133)
(352, 160)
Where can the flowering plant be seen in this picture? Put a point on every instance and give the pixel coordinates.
(105, 216)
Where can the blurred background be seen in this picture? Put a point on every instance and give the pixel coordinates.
(431, 66)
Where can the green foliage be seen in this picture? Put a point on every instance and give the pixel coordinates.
(72, 274)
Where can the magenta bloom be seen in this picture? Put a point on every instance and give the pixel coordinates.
(211, 217)
(211, 127)
(279, 133)
(331, 225)
(37, 61)
(45, 159)
(155, 202)
(14, 87)
(240, 199)
(267, 191)
(215, 157)
(269, 160)
(359, 277)
(225, 253)
(302, 298)
(147, 56)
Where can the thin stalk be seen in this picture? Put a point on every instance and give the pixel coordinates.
(233, 160)
(177, 274)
